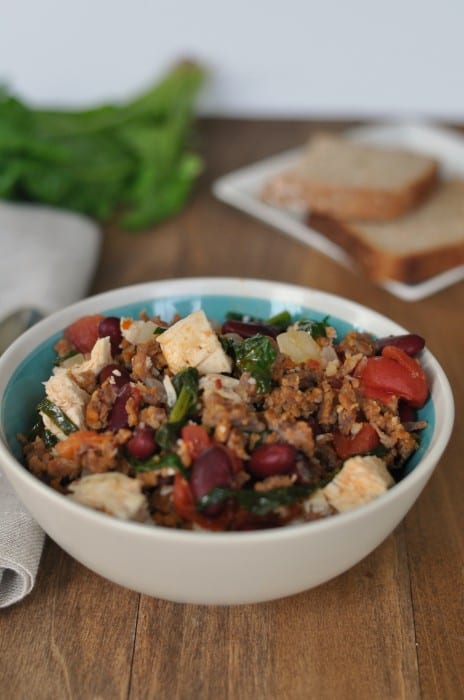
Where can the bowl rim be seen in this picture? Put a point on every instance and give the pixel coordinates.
(190, 286)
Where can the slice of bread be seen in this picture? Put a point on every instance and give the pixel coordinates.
(419, 245)
(349, 180)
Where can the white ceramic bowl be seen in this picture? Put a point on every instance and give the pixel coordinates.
(210, 567)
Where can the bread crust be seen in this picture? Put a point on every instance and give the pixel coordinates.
(380, 264)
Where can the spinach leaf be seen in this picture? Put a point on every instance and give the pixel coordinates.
(281, 320)
(157, 462)
(167, 435)
(256, 355)
(257, 502)
(39, 430)
(49, 438)
(58, 416)
(317, 329)
(186, 385)
(245, 318)
(379, 451)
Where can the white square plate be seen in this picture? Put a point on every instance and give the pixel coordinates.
(241, 189)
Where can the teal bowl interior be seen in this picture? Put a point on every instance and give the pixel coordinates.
(25, 389)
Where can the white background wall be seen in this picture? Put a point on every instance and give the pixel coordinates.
(289, 58)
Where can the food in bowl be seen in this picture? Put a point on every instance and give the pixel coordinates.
(199, 565)
(244, 424)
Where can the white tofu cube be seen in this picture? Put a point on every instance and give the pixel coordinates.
(317, 504)
(99, 358)
(112, 493)
(192, 342)
(136, 332)
(360, 480)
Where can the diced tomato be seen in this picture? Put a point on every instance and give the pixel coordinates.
(393, 374)
(83, 333)
(418, 388)
(365, 440)
(196, 438)
(183, 499)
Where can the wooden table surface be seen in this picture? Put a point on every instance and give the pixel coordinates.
(391, 627)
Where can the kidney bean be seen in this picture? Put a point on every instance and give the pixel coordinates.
(111, 326)
(247, 329)
(410, 343)
(118, 417)
(142, 444)
(119, 375)
(269, 460)
(406, 412)
(212, 468)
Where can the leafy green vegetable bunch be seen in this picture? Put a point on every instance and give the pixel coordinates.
(133, 158)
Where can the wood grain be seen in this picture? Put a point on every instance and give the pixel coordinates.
(292, 648)
(73, 637)
(391, 627)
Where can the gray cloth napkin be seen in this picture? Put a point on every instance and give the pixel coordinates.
(48, 260)
(21, 542)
